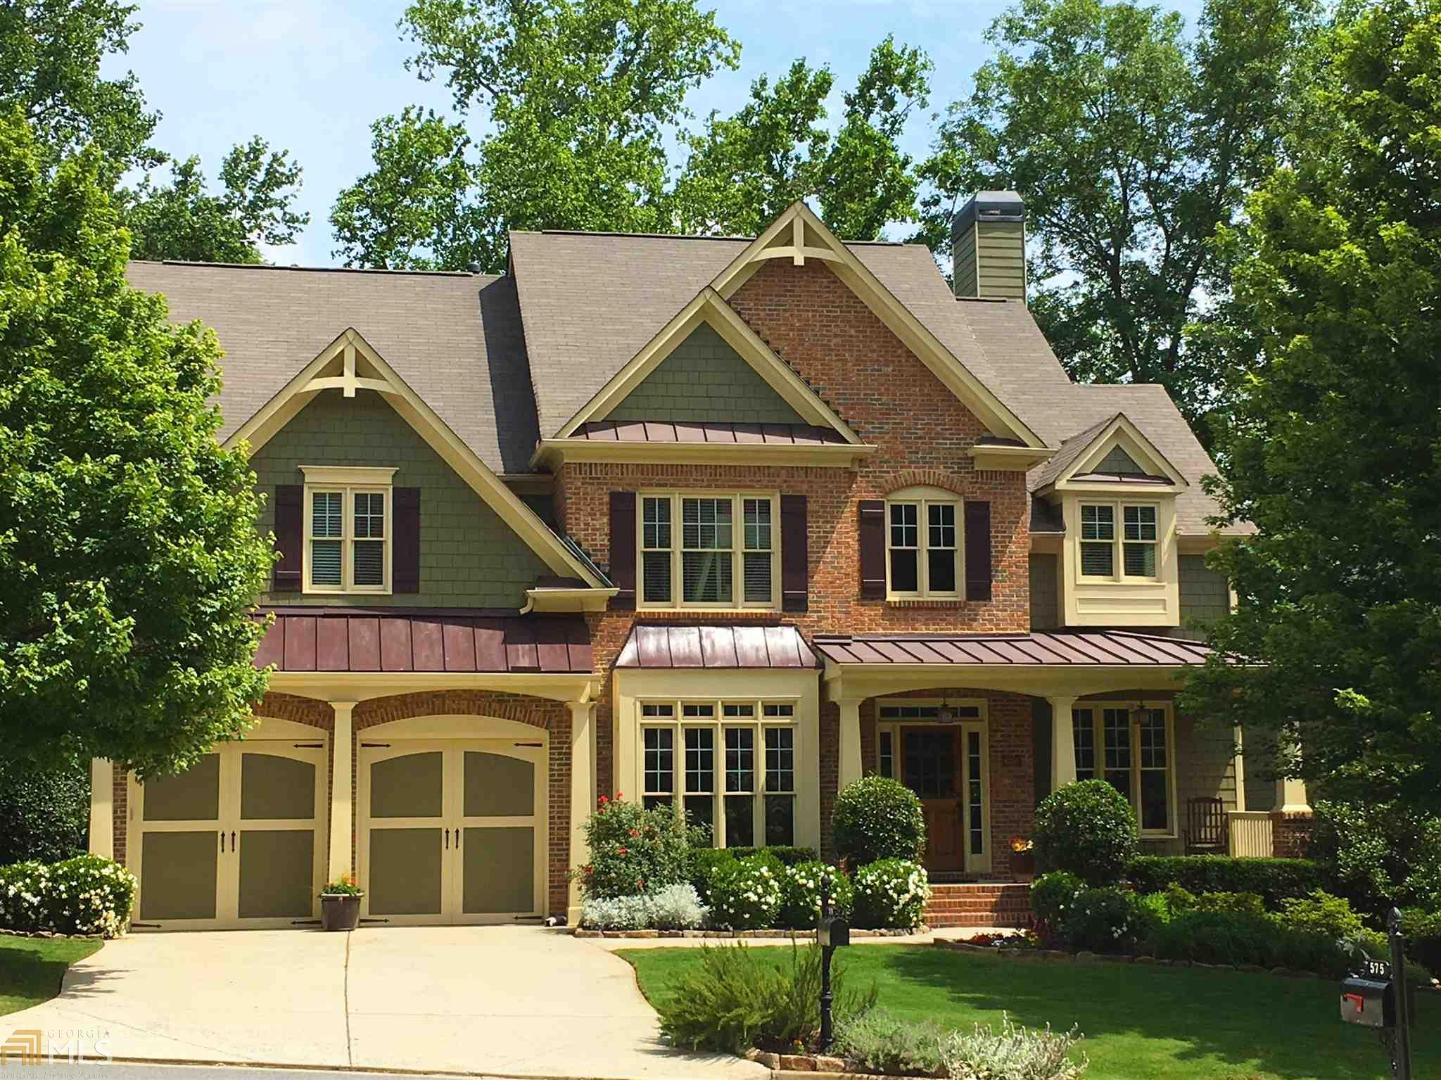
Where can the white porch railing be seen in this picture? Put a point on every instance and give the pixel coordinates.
(1251, 833)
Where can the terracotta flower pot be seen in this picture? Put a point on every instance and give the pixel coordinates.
(339, 912)
(1023, 863)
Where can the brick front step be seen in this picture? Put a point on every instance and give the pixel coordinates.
(965, 904)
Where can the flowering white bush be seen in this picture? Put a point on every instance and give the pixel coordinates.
(675, 907)
(801, 894)
(891, 893)
(84, 895)
(746, 894)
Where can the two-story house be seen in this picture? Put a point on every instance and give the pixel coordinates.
(719, 524)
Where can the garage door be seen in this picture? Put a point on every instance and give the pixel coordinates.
(236, 840)
(451, 830)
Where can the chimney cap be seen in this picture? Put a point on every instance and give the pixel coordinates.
(992, 206)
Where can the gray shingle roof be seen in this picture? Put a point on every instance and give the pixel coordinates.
(503, 360)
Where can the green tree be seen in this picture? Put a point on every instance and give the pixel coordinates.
(50, 57)
(182, 220)
(1131, 142)
(129, 559)
(1335, 450)
(743, 170)
(572, 101)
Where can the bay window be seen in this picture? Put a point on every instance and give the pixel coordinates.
(736, 770)
(1132, 549)
(1129, 746)
(722, 556)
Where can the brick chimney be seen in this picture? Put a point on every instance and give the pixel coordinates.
(988, 242)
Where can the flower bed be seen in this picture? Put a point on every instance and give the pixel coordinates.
(785, 935)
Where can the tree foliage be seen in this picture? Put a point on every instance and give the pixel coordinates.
(1335, 451)
(129, 558)
(183, 220)
(50, 56)
(745, 169)
(1131, 142)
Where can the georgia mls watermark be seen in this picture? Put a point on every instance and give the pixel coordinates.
(35, 1046)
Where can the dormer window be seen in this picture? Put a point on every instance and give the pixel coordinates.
(1132, 548)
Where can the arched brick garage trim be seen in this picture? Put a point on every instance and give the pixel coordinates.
(553, 716)
(301, 710)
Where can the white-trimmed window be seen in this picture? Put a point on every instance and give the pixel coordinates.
(1130, 747)
(923, 543)
(732, 764)
(707, 550)
(347, 529)
(1118, 553)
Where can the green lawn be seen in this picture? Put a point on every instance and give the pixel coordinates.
(31, 968)
(1138, 1021)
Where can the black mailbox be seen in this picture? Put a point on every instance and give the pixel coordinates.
(1369, 1001)
(832, 932)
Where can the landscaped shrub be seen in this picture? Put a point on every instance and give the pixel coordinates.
(83, 895)
(43, 812)
(1236, 938)
(1423, 938)
(786, 856)
(1248, 903)
(1321, 913)
(1378, 854)
(1107, 920)
(801, 894)
(1052, 896)
(615, 912)
(1272, 879)
(1088, 829)
(677, 907)
(1013, 1053)
(700, 861)
(745, 894)
(737, 998)
(878, 818)
(880, 1043)
(632, 850)
(891, 894)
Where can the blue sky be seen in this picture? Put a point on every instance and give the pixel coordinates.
(311, 75)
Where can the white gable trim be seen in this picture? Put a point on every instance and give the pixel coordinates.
(1122, 432)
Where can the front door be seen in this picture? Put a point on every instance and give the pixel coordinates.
(235, 840)
(451, 830)
(945, 765)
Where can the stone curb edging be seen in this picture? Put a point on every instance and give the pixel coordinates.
(731, 934)
(812, 1067)
(1084, 957)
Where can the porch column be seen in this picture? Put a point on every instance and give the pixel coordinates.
(1291, 796)
(342, 798)
(1063, 746)
(102, 808)
(1238, 765)
(582, 793)
(850, 741)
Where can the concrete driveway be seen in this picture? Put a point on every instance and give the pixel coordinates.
(501, 1000)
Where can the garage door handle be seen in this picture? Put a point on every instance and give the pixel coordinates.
(447, 838)
(457, 839)
(222, 839)
(232, 841)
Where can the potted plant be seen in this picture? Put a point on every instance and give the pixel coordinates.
(1023, 857)
(340, 904)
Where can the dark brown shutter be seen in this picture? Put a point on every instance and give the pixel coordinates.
(872, 532)
(795, 554)
(289, 537)
(978, 550)
(405, 554)
(622, 549)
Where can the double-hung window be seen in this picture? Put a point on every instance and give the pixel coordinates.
(1131, 548)
(347, 530)
(708, 551)
(922, 544)
(1129, 747)
(732, 763)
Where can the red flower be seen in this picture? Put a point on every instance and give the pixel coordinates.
(619, 796)
(634, 832)
(604, 800)
(622, 851)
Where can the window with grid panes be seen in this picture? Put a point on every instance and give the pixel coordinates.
(1135, 746)
(1098, 540)
(347, 542)
(735, 767)
(722, 555)
(1138, 550)
(922, 545)
(1133, 550)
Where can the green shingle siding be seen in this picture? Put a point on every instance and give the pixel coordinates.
(704, 379)
(1205, 596)
(1045, 595)
(1119, 463)
(469, 557)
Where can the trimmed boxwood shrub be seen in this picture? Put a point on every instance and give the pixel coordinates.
(84, 895)
(1087, 829)
(878, 818)
(891, 894)
(786, 856)
(1273, 879)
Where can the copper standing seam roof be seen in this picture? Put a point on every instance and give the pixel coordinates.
(651, 431)
(383, 640)
(1080, 648)
(716, 647)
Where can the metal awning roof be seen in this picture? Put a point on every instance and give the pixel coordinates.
(654, 431)
(1077, 648)
(716, 647)
(390, 640)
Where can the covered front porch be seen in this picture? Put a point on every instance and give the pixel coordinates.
(982, 727)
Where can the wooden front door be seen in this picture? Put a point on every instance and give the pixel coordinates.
(931, 763)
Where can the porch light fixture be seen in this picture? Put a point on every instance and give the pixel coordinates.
(945, 714)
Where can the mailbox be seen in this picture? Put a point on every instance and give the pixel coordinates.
(832, 932)
(1368, 1001)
